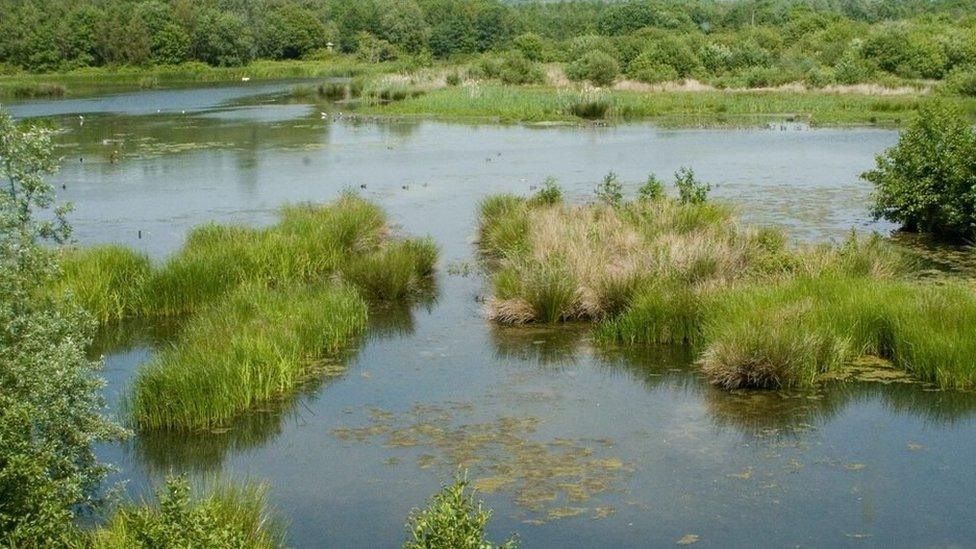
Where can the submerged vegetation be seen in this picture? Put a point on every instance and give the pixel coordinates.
(759, 312)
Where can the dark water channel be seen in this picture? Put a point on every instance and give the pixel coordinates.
(572, 445)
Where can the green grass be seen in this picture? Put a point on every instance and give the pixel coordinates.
(541, 104)
(106, 280)
(791, 334)
(254, 346)
(218, 515)
(309, 244)
(758, 312)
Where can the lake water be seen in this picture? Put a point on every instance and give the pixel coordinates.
(572, 445)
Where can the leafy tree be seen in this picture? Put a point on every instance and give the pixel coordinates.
(290, 32)
(652, 189)
(50, 399)
(530, 45)
(222, 39)
(927, 182)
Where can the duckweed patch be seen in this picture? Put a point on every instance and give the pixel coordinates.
(550, 479)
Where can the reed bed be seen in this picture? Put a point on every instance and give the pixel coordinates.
(254, 346)
(757, 311)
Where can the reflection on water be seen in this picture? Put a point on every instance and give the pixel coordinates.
(573, 445)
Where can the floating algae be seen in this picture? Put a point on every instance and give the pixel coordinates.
(549, 478)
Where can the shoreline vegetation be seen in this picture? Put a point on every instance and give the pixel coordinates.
(267, 307)
(461, 92)
(756, 311)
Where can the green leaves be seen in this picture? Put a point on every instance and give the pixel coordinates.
(453, 519)
(927, 182)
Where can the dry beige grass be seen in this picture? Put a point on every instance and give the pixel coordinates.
(606, 253)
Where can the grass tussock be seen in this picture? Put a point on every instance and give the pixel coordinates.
(106, 280)
(758, 311)
(254, 346)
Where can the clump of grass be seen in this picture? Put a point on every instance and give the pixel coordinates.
(792, 333)
(309, 244)
(107, 281)
(333, 91)
(254, 346)
(394, 271)
(223, 515)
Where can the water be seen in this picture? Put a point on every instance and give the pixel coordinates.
(574, 446)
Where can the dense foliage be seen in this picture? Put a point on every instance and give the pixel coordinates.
(738, 43)
(50, 401)
(927, 182)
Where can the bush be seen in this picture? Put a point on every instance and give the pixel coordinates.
(690, 190)
(597, 67)
(652, 189)
(549, 194)
(515, 68)
(647, 68)
(226, 517)
(610, 190)
(927, 182)
(453, 519)
(530, 45)
(961, 82)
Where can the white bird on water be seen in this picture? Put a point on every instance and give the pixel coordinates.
(245, 79)
(81, 120)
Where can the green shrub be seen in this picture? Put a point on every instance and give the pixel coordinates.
(453, 519)
(646, 68)
(530, 45)
(226, 517)
(652, 189)
(690, 189)
(927, 182)
(517, 69)
(549, 193)
(610, 190)
(597, 67)
(961, 82)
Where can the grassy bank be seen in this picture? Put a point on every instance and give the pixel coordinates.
(715, 107)
(757, 311)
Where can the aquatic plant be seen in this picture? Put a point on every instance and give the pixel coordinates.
(549, 193)
(453, 519)
(253, 346)
(224, 516)
(394, 271)
(107, 281)
(792, 333)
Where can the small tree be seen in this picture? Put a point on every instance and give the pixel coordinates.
(50, 398)
(652, 189)
(610, 190)
(690, 189)
(927, 182)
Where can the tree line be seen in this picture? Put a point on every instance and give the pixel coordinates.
(917, 38)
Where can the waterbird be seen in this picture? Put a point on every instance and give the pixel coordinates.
(362, 186)
(81, 120)
(245, 79)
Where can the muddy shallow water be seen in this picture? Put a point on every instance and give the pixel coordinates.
(571, 445)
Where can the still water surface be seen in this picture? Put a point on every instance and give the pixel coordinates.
(572, 445)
